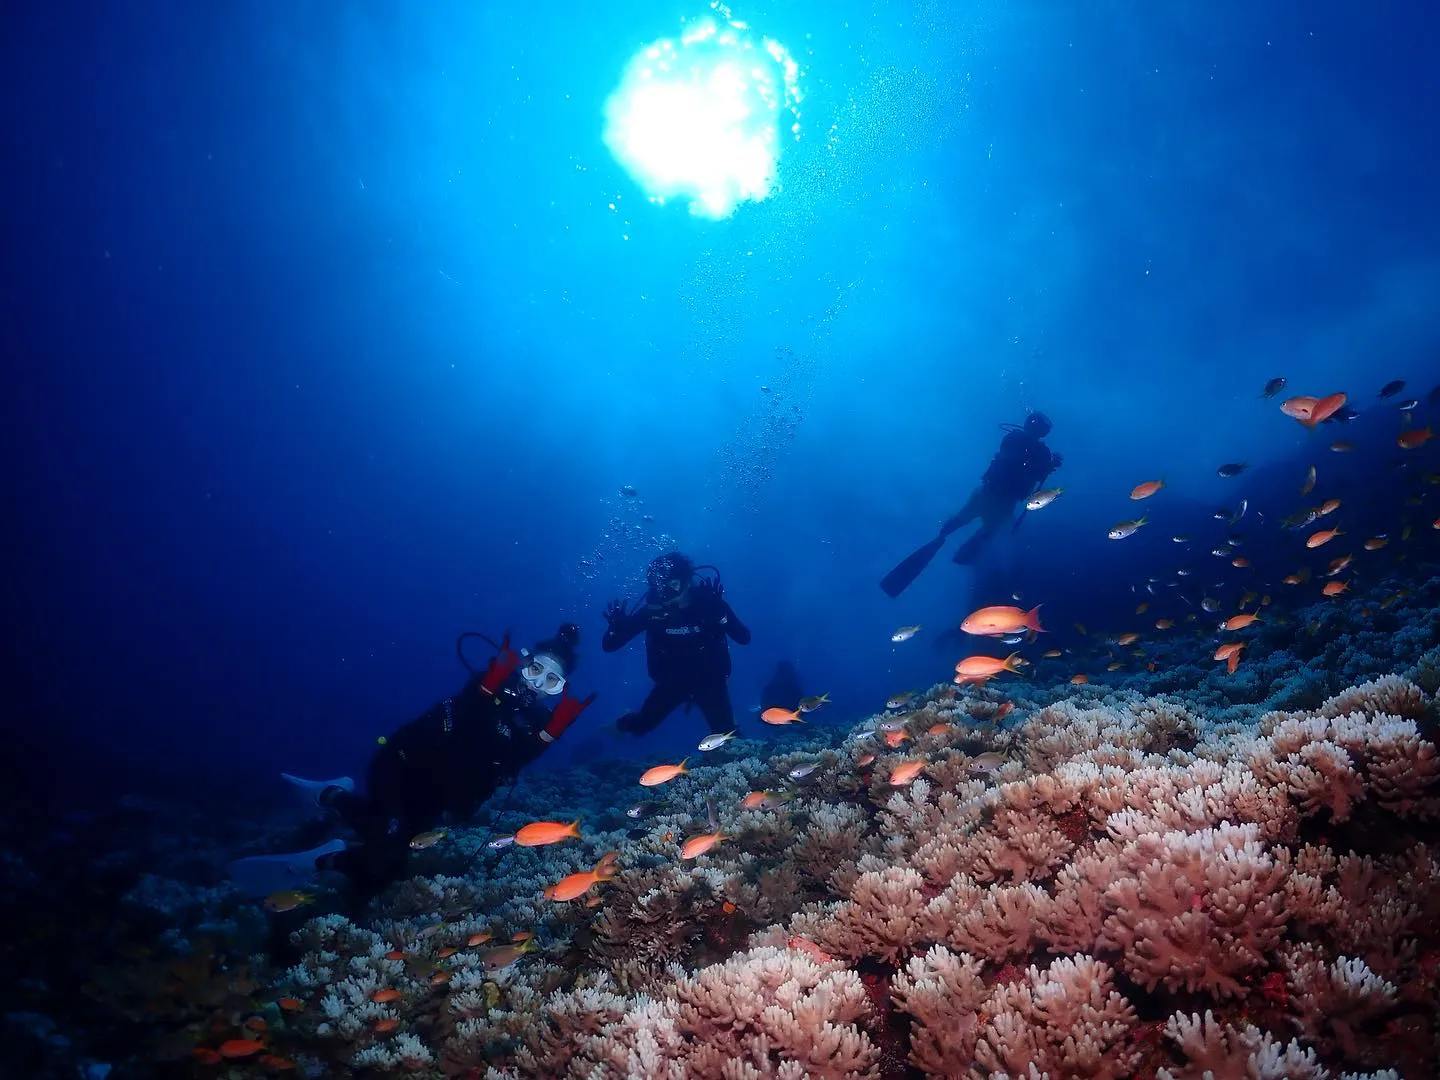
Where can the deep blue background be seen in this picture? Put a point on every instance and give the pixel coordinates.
(322, 343)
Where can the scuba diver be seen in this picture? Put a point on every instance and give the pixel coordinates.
(445, 762)
(686, 621)
(1017, 471)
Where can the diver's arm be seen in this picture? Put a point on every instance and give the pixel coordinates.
(738, 631)
(625, 626)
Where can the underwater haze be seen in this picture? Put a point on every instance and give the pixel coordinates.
(334, 331)
(327, 345)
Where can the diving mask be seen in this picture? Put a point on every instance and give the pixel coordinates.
(544, 674)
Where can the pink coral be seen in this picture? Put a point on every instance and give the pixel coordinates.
(1196, 910)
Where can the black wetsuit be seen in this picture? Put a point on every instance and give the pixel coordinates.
(687, 655)
(447, 761)
(1016, 471)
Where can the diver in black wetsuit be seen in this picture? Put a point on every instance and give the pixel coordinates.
(445, 762)
(1016, 472)
(686, 621)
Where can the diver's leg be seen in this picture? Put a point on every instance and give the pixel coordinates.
(969, 551)
(966, 514)
(714, 701)
(662, 701)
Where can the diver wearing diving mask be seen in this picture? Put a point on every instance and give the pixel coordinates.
(688, 627)
(453, 757)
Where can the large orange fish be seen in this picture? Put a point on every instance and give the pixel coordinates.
(776, 715)
(538, 833)
(1312, 410)
(982, 667)
(1145, 490)
(697, 845)
(1409, 440)
(905, 772)
(578, 884)
(1001, 620)
(240, 1048)
(660, 774)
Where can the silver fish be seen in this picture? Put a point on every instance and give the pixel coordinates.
(716, 740)
(500, 842)
(800, 772)
(1042, 499)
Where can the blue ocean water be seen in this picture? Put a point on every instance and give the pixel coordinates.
(334, 331)
(325, 345)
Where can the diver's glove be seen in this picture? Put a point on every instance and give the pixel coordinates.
(501, 668)
(565, 714)
(616, 612)
(707, 587)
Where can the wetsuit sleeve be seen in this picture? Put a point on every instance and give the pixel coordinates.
(738, 631)
(624, 630)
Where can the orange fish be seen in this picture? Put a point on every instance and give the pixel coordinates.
(1375, 543)
(290, 1004)
(1241, 561)
(522, 935)
(1230, 654)
(578, 884)
(1335, 588)
(1409, 440)
(1311, 410)
(1079, 680)
(1238, 622)
(805, 945)
(271, 1061)
(1051, 654)
(895, 738)
(1164, 624)
(206, 1056)
(1115, 665)
(256, 1024)
(384, 997)
(776, 715)
(660, 774)
(1145, 490)
(240, 1048)
(1340, 446)
(478, 939)
(440, 978)
(1005, 709)
(447, 952)
(1128, 638)
(538, 833)
(938, 729)
(1329, 506)
(983, 667)
(395, 954)
(386, 1024)
(905, 772)
(728, 907)
(1142, 607)
(1339, 565)
(759, 800)
(1324, 536)
(999, 621)
(698, 845)
(863, 760)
